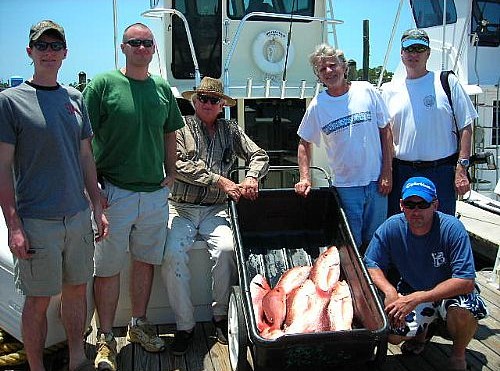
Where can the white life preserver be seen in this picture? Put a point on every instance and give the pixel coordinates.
(269, 52)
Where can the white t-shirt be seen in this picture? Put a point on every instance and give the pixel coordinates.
(349, 126)
(422, 119)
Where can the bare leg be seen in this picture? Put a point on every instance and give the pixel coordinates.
(141, 281)
(462, 326)
(106, 294)
(34, 329)
(73, 315)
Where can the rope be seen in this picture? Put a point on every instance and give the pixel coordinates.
(13, 359)
(12, 351)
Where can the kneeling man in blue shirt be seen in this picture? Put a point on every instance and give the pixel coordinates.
(433, 255)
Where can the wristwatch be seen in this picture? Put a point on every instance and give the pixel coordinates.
(463, 162)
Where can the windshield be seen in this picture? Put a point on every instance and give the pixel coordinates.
(486, 22)
(237, 9)
(429, 13)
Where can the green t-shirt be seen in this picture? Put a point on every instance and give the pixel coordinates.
(129, 119)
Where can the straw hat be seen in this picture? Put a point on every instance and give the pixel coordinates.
(210, 86)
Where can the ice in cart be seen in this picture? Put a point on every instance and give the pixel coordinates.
(281, 230)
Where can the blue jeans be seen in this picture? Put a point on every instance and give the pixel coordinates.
(443, 177)
(365, 209)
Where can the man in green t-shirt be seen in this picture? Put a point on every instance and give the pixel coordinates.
(134, 116)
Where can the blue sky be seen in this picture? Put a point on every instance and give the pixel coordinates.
(89, 32)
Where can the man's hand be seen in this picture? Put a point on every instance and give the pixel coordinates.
(303, 187)
(232, 189)
(100, 221)
(168, 181)
(462, 185)
(18, 243)
(385, 182)
(400, 308)
(250, 188)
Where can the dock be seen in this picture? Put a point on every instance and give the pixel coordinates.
(206, 354)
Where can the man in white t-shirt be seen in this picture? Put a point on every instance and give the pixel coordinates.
(426, 141)
(352, 120)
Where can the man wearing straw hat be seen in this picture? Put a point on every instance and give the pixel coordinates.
(207, 149)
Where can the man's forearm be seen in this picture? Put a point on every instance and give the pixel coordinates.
(304, 159)
(170, 153)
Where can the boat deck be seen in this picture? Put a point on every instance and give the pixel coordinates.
(206, 354)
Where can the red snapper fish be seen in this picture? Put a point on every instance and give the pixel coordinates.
(340, 309)
(293, 278)
(306, 308)
(258, 289)
(274, 307)
(326, 269)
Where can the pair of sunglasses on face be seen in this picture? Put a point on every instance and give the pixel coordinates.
(207, 98)
(416, 49)
(135, 43)
(54, 45)
(420, 205)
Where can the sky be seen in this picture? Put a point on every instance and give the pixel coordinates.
(89, 32)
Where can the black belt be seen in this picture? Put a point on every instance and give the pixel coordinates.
(450, 160)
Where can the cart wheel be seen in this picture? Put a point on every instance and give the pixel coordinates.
(238, 339)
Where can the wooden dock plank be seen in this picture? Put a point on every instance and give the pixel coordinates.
(206, 354)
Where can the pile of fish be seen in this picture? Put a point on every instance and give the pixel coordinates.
(305, 299)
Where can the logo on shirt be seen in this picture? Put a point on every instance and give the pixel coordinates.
(72, 109)
(429, 101)
(438, 259)
(344, 122)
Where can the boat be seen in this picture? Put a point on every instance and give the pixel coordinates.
(260, 51)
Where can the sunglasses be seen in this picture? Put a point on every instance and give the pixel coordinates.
(206, 98)
(420, 205)
(416, 49)
(54, 45)
(135, 43)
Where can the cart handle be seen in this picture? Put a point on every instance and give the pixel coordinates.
(286, 167)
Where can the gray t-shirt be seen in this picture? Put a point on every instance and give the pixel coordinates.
(46, 126)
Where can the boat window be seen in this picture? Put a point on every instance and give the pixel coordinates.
(486, 22)
(429, 13)
(205, 24)
(237, 9)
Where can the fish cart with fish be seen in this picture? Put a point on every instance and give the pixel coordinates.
(304, 297)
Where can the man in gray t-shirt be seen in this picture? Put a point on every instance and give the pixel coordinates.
(47, 177)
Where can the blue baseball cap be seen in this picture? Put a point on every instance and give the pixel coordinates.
(414, 36)
(421, 187)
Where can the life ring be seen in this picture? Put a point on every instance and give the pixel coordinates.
(269, 51)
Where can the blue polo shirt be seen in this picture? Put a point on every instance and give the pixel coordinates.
(423, 261)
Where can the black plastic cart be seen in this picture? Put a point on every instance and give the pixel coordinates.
(281, 230)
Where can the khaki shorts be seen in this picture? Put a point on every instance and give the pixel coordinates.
(64, 250)
(137, 225)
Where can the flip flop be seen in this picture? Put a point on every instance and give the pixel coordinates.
(413, 347)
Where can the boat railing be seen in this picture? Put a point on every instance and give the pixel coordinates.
(248, 89)
(159, 13)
